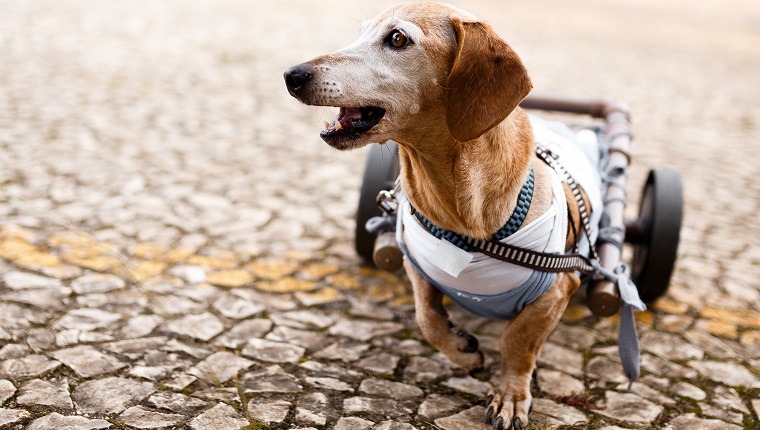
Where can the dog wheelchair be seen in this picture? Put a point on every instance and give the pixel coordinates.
(653, 235)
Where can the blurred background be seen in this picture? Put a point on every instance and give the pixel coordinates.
(154, 144)
(168, 122)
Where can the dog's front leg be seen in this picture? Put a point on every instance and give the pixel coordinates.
(460, 347)
(509, 403)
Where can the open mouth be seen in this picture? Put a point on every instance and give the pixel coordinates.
(351, 123)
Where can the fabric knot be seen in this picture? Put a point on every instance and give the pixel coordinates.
(628, 338)
(628, 291)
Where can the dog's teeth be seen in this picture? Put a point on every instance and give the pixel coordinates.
(338, 125)
(327, 125)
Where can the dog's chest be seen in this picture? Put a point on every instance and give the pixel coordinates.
(492, 288)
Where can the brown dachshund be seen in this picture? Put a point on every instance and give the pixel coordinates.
(446, 88)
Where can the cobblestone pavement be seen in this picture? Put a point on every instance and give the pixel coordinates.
(176, 241)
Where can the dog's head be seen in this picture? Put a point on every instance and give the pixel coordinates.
(416, 68)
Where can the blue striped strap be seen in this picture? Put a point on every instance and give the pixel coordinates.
(509, 228)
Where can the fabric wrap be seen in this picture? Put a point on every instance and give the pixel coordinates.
(492, 288)
(495, 289)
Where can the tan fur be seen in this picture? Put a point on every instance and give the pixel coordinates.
(465, 150)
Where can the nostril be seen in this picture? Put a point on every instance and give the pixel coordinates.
(296, 77)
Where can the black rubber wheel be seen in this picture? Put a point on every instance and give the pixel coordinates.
(380, 173)
(655, 234)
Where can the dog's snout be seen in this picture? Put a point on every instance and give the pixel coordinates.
(297, 77)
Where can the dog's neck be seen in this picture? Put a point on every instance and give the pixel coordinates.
(469, 188)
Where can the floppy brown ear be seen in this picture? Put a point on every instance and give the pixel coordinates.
(486, 82)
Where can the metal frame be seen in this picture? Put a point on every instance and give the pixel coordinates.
(603, 296)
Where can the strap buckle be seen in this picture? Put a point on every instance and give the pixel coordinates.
(387, 202)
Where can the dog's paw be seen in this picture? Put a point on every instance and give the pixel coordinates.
(467, 354)
(472, 344)
(508, 408)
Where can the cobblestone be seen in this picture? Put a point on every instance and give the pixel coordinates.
(346, 351)
(86, 319)
(304, 338)
(364, 330)
(436, 406)
(221, 416)
(273, 379)
(375, 407)
(202, 326)
(554, 414)
(97, 283)
(110, 395)
(313, 408)
(328, 384)
(727, 373)
(12, 416)
(176, 402)
(390, 389)
(220, 367)
(240, 333)
(684, 389)
(26, 367)
(24, 281)
(141, 418)
(690, 421)
(558, 384)
(6, 390)
(53, 393)
(422, 369)
(353, 423)
(381, 363)
(391, 425)
(275, 352)
(332, 370)
(176, 241)
(671, 347)
(269, 411)
(468, 385)
(471, 418)
(562, 359)
(87, 361)
(58, 421)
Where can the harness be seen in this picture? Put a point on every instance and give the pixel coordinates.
(510, 227)
(628, 343)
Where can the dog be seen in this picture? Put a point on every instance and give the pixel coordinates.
(446, 88)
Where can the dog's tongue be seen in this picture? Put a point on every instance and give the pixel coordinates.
(344, 118)
(348, 114)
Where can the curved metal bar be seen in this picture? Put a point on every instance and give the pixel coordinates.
(603, 296)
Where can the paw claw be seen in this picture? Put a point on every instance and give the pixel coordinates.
(517, 424)
(480, 368)
(498, 423)
(489, 415)
(511, 408)
(472, 341)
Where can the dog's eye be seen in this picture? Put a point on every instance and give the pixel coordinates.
(397, 39)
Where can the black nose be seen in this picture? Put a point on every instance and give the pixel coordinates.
(297, 77)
